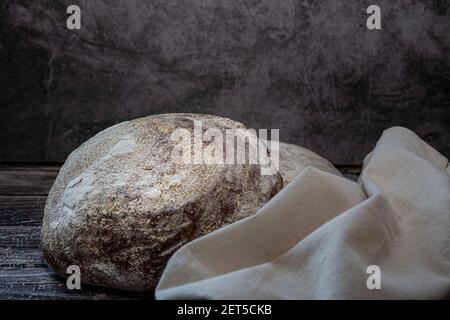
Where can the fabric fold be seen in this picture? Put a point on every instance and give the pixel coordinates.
(319, 236)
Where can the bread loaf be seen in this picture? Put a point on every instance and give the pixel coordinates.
(121, 205)
(294, 159)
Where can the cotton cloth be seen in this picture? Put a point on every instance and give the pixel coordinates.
(317, 237)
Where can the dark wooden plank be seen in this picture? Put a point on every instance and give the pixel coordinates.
(23, 192)
(21, 258)
(25, 275)
(21, 210)
(19, 237)
(42, 283)
(27, 179)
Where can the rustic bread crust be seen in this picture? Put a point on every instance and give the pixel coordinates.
(120, 206)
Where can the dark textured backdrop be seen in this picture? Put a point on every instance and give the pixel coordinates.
(310, 68)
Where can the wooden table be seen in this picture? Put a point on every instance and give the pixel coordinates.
(23, 272)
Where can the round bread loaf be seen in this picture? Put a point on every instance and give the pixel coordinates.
(121, 205)
(294, 159)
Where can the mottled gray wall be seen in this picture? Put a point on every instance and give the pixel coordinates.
(310, 68)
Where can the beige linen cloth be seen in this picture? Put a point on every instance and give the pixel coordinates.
(316, 238)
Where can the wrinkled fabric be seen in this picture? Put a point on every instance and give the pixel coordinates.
(317, 237)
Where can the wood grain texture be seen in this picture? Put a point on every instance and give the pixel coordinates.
(42, 283)
(21, 210)
(23, 179)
